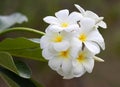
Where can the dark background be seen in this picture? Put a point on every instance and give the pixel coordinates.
(105, 74)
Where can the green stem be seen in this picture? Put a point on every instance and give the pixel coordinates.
(22, 29)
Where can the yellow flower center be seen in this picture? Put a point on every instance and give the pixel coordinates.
(64, 54)
(81, 57)
(58, 38)
(64, 25)
(83, 37)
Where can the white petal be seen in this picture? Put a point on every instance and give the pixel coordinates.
(99, 20)
(92, 15)
(48, 29)
(44, 42)
(93, 47)
(74, 17)
(54, 28)
(76, 43)
(51, 20)
(65, 76)
(62, 14)
(78, 69)
(67, 35)
(47, 54)
(55, 63)
(88, 53)
(87, 23)
(80, 8)
(76, 46)
(66, 66)
(97, 37)
(88, 65)
(73, 27)
(102, 24)
(69, 76)
(61, 46)
(60, 71)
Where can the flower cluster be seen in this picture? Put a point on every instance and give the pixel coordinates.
(71, 42)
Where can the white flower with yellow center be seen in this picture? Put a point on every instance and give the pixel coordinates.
(59, 60)
(63, 21)
(98, 20)
(56, 40)
(89, 37)
(82, 63)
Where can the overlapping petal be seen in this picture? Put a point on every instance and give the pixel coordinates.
(89, 64)
(46, 54)
(95, 36)
(80, 8)
(62, 14)
(78, 69)
(62, 46)
(51, 20)
(87, 23)
(74, 17)
(44, 42)
(66, 66)
(92, 46)
(55, 63)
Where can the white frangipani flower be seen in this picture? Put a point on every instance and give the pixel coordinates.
(82, 63)
(56, 40)
(98, 20)
(63, 21)
(59, 60)
(91, 38)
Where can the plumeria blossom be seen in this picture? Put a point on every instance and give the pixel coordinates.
(63, 21)
(59, 60)
(56, 40)
(89, 37)
(83, 62)
(71, 42)
(98, 20)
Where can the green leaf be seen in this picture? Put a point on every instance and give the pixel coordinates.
(23, 69)
(16, 66)
(7, 62)
(33, 53)
(15, 81)
(22, 47)
(18, 43)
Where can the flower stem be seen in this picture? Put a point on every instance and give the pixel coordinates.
(22, 29)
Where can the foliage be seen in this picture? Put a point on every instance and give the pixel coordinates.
(13, 71)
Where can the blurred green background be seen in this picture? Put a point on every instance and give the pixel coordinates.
(105, 74)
